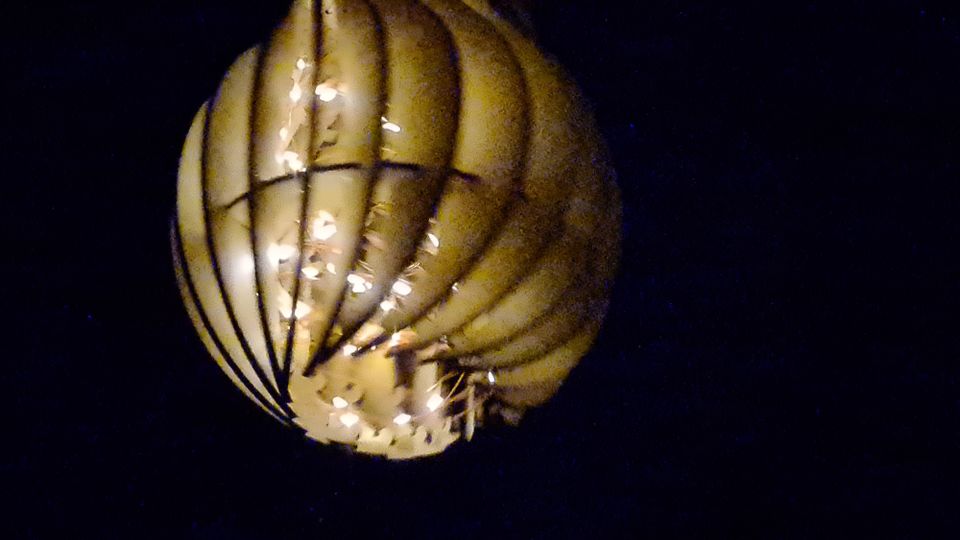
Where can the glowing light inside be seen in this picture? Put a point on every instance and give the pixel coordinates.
(301, 64)
(292, 159)
(281, 252)
(491, 378)
(349, 419)
(303, 309)
(434, 402)
(324, 227)
(296, 93)
(349, 349)
(325, 92)
(358, 283)
(245, 264)
(402, 288)
(388, 125)
(402, 419)
(339, 402)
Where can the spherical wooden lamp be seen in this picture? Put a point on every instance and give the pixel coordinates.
(395, 220)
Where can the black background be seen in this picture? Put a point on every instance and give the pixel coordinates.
(780, 359)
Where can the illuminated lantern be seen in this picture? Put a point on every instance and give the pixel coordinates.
(394, 220)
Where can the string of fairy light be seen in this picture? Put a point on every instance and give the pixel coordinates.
(322, 229)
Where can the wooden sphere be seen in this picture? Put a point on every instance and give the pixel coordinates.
(394, 218)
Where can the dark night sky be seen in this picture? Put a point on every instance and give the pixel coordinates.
(778, 361)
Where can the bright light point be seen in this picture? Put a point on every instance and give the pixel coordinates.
(402, 419)
(296, 93)
(245, 264)
(281, 252)
(339, 402)
(311, 272)
(455, 287)
(434, 402)
(390, 126)
(323, 229)
(292, 158)
(349, 419)
(303, 310)
(326, 93)
(387, 306)
(349, 349)
(491, 378)
(301, 64)
(433, 240)
(402, 288)
(332, 268)
(284, 133)
(358, 284)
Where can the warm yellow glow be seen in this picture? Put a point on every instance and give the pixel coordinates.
(358, 283)
(349, 419)
(402, 288)
(291, 158)
(326, 92)
(281, 252)
(324, 227)
(303, 309)
(388, 125)
(434, 402)
(260, 243)
(296, 93)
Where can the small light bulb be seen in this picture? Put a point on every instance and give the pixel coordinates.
(434, 402)
(402, 288)
(339, 402)
(281, 252)
(358, 284)
(245, 264)
(402, 419)
(349, 419)
(323, 230)
(326, 93)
